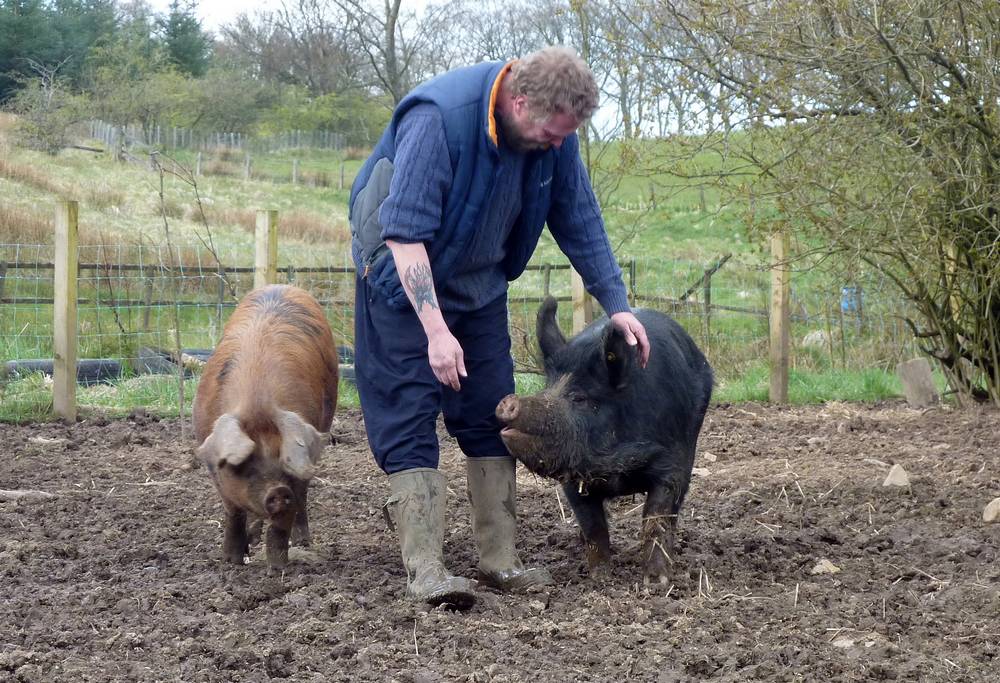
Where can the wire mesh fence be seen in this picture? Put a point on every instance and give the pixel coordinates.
(132, 298)
(174, 138)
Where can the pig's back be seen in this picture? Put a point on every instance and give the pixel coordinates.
(277, 351)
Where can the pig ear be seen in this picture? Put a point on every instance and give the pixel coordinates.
(550, 337)
(301, 444)
(228, 444)
(619, 357)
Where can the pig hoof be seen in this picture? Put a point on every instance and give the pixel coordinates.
(301, 538)
(597, 557)
(276, 562)
(236, 558)
(599, 571)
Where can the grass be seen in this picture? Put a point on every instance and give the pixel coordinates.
(672, 230)
(29, 398)
(811, 387)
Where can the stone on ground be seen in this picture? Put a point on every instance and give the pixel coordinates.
(992, 511)
(824, 566)
(897, 476)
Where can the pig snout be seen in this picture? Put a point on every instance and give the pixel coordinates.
(508, 409)
(279, 501)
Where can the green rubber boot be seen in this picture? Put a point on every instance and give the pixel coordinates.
(416, 506)
(492, 492)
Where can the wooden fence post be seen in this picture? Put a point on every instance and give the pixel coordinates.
(265, 265)
(631, 282)
(3, 276)
(221, 276)
(583, 304)
(707, 305)
(64, 311)
(148, 301)
(780, 316)
(246, 168)
(295, 171)
(341, 186)
(197, 164)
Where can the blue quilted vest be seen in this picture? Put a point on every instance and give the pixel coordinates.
(463, 97)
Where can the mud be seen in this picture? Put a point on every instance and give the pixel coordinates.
(118, 577)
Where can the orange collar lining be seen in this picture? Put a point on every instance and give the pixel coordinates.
(493, 100)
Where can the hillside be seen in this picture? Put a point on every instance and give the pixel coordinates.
(666, 233)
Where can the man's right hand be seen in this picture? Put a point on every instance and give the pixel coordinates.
(446, 357)
(443, 350)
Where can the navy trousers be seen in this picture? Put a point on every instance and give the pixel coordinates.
(400, 396)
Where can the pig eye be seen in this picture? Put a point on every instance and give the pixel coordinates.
(238, 469)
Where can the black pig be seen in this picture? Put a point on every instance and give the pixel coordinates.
(606, 427)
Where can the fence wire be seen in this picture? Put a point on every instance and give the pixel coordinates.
(132, 298)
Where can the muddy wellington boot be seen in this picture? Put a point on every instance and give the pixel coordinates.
(416, 506)
(492, 491)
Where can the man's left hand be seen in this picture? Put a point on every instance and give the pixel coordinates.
(634, 333)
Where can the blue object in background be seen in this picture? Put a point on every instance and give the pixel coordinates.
(850, 299)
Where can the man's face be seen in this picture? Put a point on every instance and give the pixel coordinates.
(522, 132)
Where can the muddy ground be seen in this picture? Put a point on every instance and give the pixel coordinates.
(117, 578)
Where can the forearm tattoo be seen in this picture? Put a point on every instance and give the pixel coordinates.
(421, 285)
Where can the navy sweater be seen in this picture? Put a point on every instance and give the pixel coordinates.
(412, 211)
(477, 206)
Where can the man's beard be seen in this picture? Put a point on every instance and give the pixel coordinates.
(512, 138)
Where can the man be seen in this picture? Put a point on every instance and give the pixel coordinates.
(447, 210)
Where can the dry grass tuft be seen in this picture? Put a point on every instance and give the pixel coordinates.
(172, 208)
(356, 153)
(103, 197)
(304, 226)
(25, 226)
(310, 227)
(27, 175)
(229, 154)
(315, 179)
(218, 167)
(8, 122)
(242, 218)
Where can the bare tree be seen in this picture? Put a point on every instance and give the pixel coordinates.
(305, 42)
(492, 30)
(46, 108)
(873, 129)
(395, 42)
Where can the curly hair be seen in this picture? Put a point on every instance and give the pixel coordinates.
(555, 80)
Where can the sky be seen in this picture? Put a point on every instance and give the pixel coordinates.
(216, 13)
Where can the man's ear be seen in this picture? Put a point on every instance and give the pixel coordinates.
(519, 106)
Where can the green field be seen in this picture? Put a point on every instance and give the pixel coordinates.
(666, 233)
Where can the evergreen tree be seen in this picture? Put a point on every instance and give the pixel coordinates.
(56, 36)
(188, 47)
(82, 25)
(27, 35)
